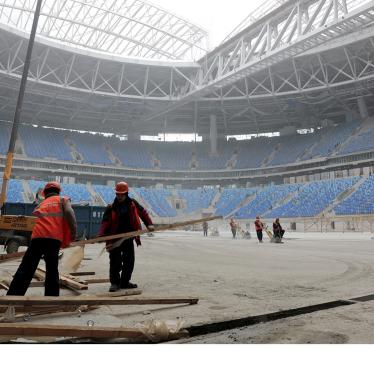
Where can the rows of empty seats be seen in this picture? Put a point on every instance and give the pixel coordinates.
(197, 199)
(360, 202)
(363, 142)
(157, 199)
(230, 198)
(97, 149)
(294, 200)
(45, 143)
(312, 198)
(265, 200)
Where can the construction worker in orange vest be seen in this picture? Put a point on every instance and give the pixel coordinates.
(123, 216)
(55, 228)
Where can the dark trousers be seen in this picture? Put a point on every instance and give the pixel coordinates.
(259, 235)
(279, 234)
(121, 263)
(233, 231)
(48, 248)
(206, 232)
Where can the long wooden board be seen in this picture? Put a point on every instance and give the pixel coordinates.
(64, 280)
(132, 234)
(90, 300)
(23, 329)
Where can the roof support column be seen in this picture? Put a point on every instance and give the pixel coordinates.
(213, 134)
(364, 113)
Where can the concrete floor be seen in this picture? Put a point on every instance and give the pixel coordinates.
(239, 278)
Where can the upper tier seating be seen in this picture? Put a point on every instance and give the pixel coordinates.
(330, 139)
(312, 198)
(363, 142)
(45, 143)
(360, 202)
(292, 147)
(91, 147)
(132, 154)
(14, 192)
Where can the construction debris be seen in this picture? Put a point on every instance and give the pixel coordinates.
(11, 256)
(24, 329)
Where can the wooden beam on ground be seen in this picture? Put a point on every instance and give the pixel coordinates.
(89, 300)
(82, 273)
(65, 281)
(11, 256)
(133, 292)
(97, 280)
(4, 286)
(24, 329)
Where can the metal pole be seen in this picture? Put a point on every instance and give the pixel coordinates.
(17, 114)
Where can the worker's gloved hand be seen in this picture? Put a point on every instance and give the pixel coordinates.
(151, 228)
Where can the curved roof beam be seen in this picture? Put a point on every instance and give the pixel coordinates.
(137, 29)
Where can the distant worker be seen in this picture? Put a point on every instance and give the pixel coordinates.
(278, 230)
(259, 227)
(233, 226)
(120, 217)
(205, 228)
(55, 228)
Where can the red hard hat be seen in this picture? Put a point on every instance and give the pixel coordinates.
(122, 187)
(50, 185)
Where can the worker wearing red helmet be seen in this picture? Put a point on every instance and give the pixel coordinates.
(55, 227)
(122, 216)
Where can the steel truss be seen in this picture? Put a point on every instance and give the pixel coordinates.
(126, 28)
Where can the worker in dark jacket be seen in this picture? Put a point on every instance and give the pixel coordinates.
(277, 229)
(55, 227)
(259, 227)
(120, 217)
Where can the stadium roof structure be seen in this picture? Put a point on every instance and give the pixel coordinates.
(300, 63)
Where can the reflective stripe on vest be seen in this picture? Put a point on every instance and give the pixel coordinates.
(50, 219)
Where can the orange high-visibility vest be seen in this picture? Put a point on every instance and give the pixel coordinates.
(50, 221)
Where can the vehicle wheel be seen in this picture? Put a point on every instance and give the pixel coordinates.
(12, 246)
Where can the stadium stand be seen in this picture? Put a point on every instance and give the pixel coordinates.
(360, 202)
(157, 199)
(91, 148)
(181, 154)
(292, 147)
(251, 153)
(265, 200)
(197, 199)
(231, 198)
(45, 143)
(15, 191)
(330, 139)
(312, 198)
(362, 142)
(132, 154)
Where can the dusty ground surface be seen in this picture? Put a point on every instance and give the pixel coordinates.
(240, 278)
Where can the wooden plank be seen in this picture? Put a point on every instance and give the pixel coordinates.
(82, 273)
(24, 329)
(11, 256)
(64, 281)
(4, 286)
(89, 300)
(97, 280)
(132, 234)
(136, 291)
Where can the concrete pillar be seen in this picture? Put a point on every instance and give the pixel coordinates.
(364, 113)
(213, 134)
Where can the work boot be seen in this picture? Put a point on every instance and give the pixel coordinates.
(129, 285)
(114, 288)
